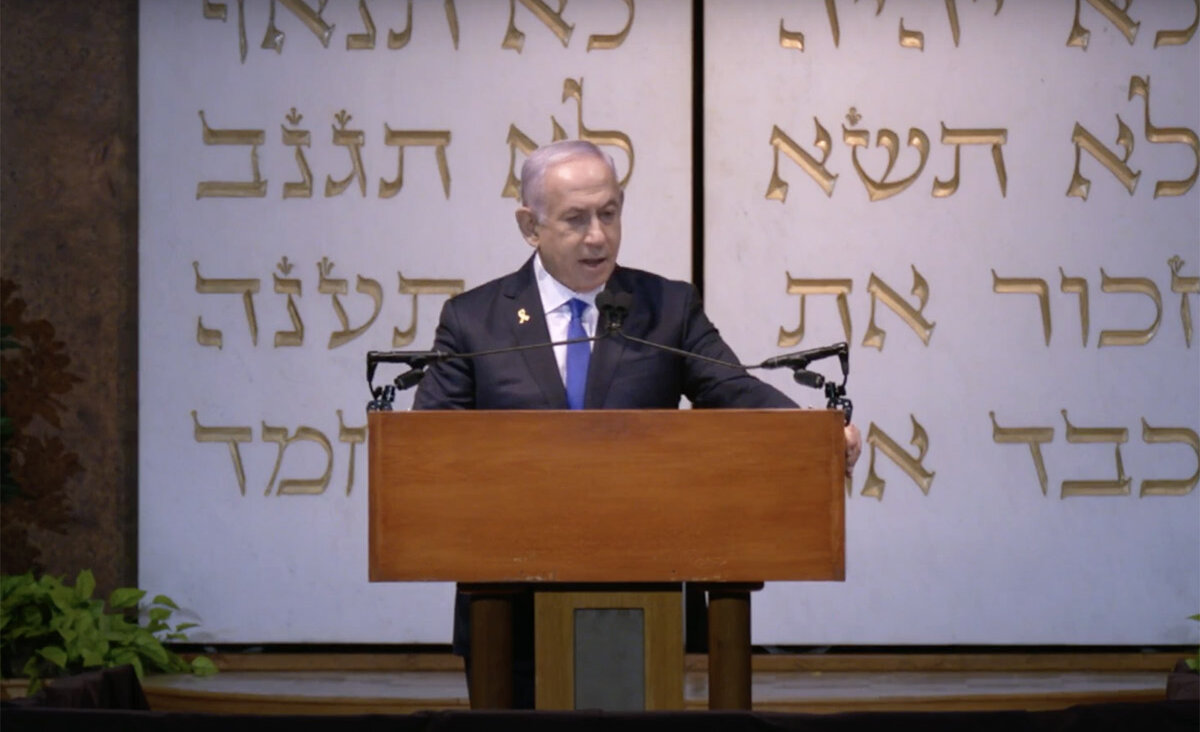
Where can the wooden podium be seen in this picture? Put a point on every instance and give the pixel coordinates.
(726, 498)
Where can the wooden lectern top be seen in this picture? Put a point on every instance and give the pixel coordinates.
(607, 495)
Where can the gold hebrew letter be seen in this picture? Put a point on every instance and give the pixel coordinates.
(1079, 286)
(911, 38)
(256, 187)
(352, 140)
(1136, 285)
(417, 287)
(516, 139)
(996, 137)
(1161, 435)
(231, 435)
(609, 42)
(573, 89)
(914, 317)
(1035, 437)
(515, 39)
(777, 189)
(1182, 286)
(401, 39)
(333, 287)
(1117, 16)
(273, 39)
(1086, 141)
(289, 287)
(806, 287)
(352, 436)
(214, 11)
(1026, 286)
(298, 139)
(438, 139)
(1081, 435)
(217, 11)
(366, 40)
(1181, 36)
(795, 39)
(878, 190)
(1167, 135)
(295, 486)
(952, 14)
(246, 287)
(912, 466)
(519, 140)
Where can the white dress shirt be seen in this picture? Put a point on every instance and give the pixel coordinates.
(555, 299)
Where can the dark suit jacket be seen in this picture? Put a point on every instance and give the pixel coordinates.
(621, 374)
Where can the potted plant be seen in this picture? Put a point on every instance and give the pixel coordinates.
(49, 628)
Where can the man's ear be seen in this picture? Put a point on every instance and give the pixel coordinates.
(527, 221)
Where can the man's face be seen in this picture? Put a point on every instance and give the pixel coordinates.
(580, 233)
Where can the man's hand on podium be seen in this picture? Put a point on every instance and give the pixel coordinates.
(853, 448)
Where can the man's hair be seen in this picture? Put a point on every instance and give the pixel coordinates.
(533, 172)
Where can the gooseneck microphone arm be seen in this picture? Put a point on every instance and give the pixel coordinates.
(614, 306)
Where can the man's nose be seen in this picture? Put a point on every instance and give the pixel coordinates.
(595, 231)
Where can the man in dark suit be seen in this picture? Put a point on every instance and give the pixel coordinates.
(571, 216)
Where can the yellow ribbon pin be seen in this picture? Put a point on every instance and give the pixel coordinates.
(522, 316)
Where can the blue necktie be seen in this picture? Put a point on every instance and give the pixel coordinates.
(577, 356)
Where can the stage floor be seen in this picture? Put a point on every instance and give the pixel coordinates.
(775, 688)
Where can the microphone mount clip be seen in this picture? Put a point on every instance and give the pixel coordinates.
(835, 394)
(382, 397)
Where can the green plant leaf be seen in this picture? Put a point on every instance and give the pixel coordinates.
(159, 614)
(64, 598)
(124, 598)
(94, 657)
(150, 647)
(203, 666)
(164, 600)
(54, 655)
(85, 584)
(10, 583)
(185, 626)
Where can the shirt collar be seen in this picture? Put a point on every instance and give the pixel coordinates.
(554, 293)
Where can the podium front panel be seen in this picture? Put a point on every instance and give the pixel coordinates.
(603, 496)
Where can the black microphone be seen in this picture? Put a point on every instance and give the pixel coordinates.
(613, 307)
(416, 359)
(801, 359)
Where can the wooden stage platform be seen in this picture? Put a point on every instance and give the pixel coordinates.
(354, 683)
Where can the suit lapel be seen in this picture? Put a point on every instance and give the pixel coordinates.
(529, 329)
(606, 352)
